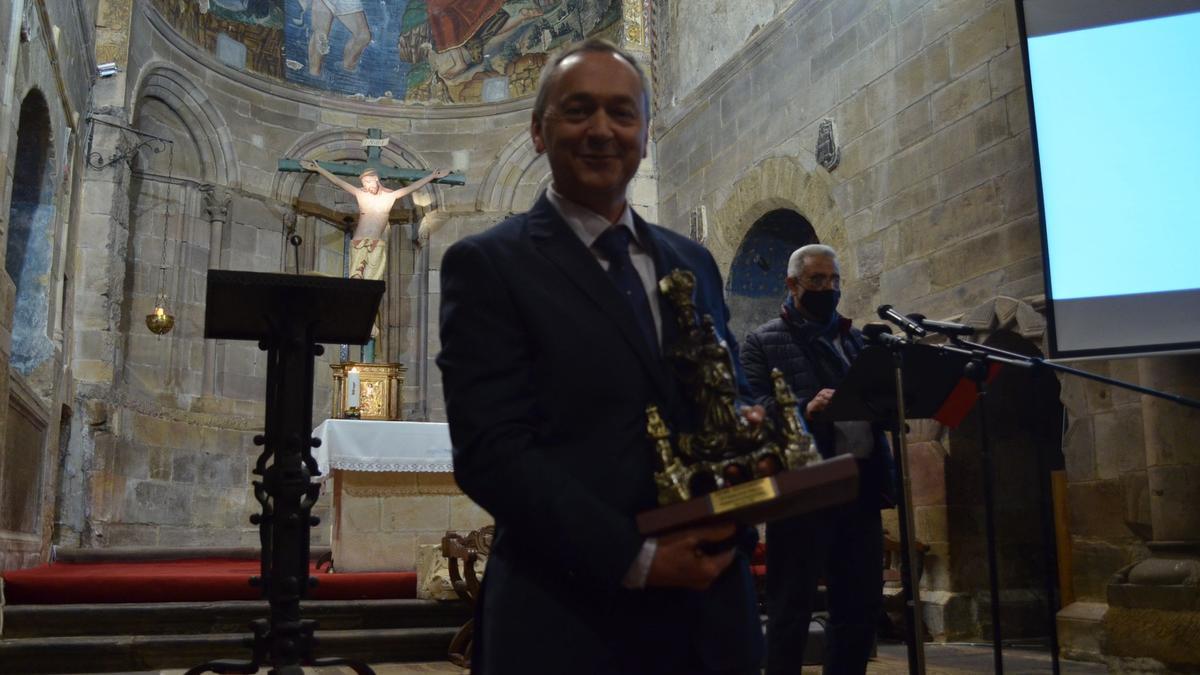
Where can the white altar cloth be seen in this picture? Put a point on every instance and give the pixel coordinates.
(383, 446)
(393, 491)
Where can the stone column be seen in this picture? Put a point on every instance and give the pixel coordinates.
(636, 39)
(102, 234)
(1154, 605)
(216, 207)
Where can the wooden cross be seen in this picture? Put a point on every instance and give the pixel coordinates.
(374, 144)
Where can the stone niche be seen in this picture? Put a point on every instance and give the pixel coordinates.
(30, 376)
(21, 501)
(1023, 418)
(756, 287)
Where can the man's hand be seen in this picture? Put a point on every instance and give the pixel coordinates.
(818, 402)
(308, 165)
(679, 562)
(439, 173)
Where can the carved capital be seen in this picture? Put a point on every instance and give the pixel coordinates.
(216, 202)
(289, 219)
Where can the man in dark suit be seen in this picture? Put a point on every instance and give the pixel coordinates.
(552, 332)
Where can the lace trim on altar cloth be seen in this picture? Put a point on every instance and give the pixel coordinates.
(392, 467)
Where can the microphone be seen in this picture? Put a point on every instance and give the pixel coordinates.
(943, 327)
(880, 334)
(911, 327)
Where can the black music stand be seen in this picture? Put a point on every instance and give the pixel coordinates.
(870, 392)
(290, 316)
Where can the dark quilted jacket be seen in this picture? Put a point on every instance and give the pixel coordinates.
(809, 364)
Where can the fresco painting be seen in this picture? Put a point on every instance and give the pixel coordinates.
(267, 13)
(339, 45)
(257, 24)
(418, 51)
(464, 48)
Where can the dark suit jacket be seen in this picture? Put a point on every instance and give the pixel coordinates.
(546, 380)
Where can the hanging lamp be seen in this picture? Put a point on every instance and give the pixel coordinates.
(161, 321)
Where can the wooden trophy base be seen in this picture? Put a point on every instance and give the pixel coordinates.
(791, 493)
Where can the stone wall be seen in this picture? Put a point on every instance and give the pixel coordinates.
(1132, 465)
(45, 61)
(930, 112)
(1106, 467)
(712, 31)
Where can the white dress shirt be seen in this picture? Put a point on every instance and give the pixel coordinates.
(589, 225)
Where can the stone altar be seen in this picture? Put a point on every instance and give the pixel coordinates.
(393, 491)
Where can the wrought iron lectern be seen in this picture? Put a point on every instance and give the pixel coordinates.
(290, 316)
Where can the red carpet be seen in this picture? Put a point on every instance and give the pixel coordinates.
(201, 580)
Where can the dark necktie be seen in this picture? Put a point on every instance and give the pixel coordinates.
(614, 244)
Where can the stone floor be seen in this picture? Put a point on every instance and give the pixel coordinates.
(941, 659)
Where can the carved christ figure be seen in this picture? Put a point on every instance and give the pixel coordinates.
(368, 252)
(368, 245)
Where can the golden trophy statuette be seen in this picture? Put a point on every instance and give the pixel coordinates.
(728, 467)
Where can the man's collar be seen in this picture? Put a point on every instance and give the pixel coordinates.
(584, 222)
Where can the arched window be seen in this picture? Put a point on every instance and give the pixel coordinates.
(31, 217)
(756, 286)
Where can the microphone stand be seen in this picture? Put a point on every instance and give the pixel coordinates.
(1034, 362)
(911, 586)
(977, 370)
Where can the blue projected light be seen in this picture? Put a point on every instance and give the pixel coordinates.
(1118, 124)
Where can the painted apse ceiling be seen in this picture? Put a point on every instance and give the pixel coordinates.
(416, 51)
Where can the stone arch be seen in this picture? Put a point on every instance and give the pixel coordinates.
(339, 145)
(207, 128)
(774, 183)
(343, 144)
(515, 179)
(755, 281)
(168, 235)
(29, 249)
(323, 243)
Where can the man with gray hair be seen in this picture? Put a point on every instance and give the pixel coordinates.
(813, 346)
(553, 336)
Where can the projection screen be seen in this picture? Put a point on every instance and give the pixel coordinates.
(1114, 96)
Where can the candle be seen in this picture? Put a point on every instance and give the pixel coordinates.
(352, 384)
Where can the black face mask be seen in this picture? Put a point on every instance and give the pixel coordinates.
(820, 304)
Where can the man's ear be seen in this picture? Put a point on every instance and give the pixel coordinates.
(535, 131)
(793, 285)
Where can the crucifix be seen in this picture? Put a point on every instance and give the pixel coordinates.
(368, 247)
(374, 143)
